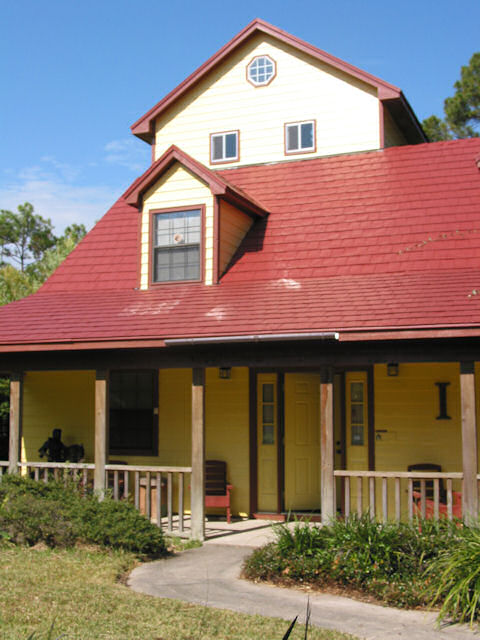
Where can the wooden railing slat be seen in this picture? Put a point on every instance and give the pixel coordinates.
(347, 497)
(159, 499)
(398, 505)
(449, 500)
(148, 505)
(385, 499)
(180, 502)
(170, 500)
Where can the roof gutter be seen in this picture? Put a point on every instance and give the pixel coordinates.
(265, 337)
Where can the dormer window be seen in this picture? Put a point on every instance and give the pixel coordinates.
(300, 137)
(224, 147)
(176, 245)
(261, 71)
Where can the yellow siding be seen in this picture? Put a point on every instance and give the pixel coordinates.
(226, 427)
(345, 109)
(234, 225)
(407, 407)
(393, 136)
(227, 431)
(58, 400)
(177, 188)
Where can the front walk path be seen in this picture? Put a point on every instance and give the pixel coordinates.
(210, 576)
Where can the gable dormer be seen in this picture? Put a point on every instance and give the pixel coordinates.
(267, 97)
(192, 221)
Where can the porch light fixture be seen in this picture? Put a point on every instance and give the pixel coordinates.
(225, 373)
(392, 369)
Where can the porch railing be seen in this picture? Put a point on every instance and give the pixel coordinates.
(396, 494)
(3, 467)
(157, 492)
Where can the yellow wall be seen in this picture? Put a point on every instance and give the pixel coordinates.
(226, 426)
(234, 225)
(393, 136)
(227, 430)
(407, 407)
(346, 110)
(177, 188)
(58, 400)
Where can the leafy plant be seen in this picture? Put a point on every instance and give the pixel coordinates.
(387, 560)
(60, 516)
(456, 578)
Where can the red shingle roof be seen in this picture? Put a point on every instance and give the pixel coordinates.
(363, 242)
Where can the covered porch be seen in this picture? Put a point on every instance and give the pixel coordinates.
(314, 413)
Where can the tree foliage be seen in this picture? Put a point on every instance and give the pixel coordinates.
(462, 110)
(25, 235)
(27, 241)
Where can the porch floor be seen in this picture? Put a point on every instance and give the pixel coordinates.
(242, 532)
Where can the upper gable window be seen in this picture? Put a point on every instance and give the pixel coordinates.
(224, 146)
(261, 71)
(300, 137)
(176, 245)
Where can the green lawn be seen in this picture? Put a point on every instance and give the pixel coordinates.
(81, 591)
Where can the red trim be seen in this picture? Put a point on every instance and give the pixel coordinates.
(154, 212)
(218, 184)
(216, 240)
(139, 245)
(143, 127)
(277, 517)
(381, 115)
(80, 346)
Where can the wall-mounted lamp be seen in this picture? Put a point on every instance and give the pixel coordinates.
(392, 369)
(225, 373)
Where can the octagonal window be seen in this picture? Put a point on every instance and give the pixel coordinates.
(261, 71)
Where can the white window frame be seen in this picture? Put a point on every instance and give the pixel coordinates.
(298, 126)
(255, 61)
(223, 135)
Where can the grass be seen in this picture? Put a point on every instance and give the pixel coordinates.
(80, 590)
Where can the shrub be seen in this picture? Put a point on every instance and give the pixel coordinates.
(59, 516)
(456, 578)
(387, 560)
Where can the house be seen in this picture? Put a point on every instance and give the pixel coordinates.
(293, 287)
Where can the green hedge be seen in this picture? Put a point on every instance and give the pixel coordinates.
(60, 516)
(386, 560)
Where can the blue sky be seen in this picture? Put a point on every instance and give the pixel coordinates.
(75, 74)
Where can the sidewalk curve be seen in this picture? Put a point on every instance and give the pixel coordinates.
(209, 576)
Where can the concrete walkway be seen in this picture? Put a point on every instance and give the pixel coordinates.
(210, 576)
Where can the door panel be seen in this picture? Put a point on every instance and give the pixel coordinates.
(356, 417)
(267, 442)
(302, 442)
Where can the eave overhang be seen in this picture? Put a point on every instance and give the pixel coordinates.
(144, 127)
(218, 185)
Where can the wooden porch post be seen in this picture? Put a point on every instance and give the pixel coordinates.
(469, 442)
(16, 392)
(198, 454)
(327, 449)
(101, 430)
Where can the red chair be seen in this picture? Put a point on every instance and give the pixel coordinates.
(217, 490)
(442, 507)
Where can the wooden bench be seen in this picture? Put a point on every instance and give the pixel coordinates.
(217, 490)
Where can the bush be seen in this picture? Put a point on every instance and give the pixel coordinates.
(386, 560)
(59, 516)
(456, 578)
